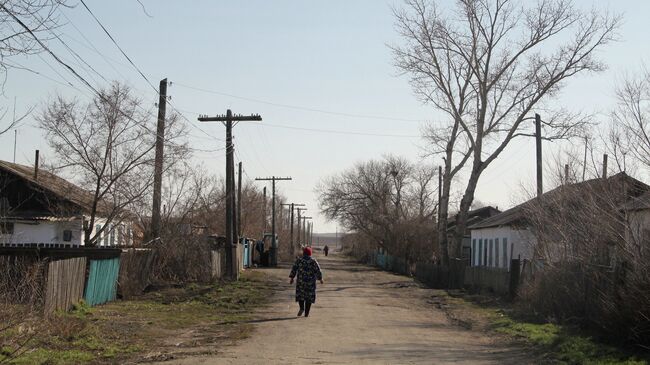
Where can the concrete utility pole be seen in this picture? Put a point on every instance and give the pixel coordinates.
(158, 164)
(231, 241)
(291, 224)
(538, 144)
(274, 243)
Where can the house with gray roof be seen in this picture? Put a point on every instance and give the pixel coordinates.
(41, 209)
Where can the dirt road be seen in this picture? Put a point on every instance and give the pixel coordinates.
(361, 316)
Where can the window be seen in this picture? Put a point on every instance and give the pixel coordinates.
(505, 252)
(67, 235)
(7, 228)
(485, 253)
(479, 253)
(496, 252)
(474, 263)
(112, 228)
(490, 252)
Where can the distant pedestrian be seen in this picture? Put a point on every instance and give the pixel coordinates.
(308, 271)
(326, 249)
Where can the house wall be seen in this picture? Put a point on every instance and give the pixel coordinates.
(52, 233)
(639, 229)
(44, 232)
(488, 246)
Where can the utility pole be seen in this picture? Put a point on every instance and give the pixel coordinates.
(291, 224)
(299, 237)
(584, 163)
(304, 229)
(274, 242)
(264, 208)
(239, 232)
(231, 243)
(605, 166)
(158, 164)
(538, 144)
(15, 140)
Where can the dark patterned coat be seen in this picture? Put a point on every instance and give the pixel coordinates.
(308, 271)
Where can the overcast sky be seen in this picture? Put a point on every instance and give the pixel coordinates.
(319, 73)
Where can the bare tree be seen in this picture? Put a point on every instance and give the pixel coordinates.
(387, 201)
(632, 116)
(488, 65)
(107, 145)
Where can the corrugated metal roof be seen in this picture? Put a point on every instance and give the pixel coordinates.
(55, 185)
(517, 214)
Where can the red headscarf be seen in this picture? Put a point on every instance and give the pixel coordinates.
(306, 251)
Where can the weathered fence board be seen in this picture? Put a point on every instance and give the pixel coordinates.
(65, 284)
(218, 265)
(490, 278)
(102, 281)
(135, 271)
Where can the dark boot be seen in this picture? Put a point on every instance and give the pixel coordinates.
(302, 308)
(307, 308)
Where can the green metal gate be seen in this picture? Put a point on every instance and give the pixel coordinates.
(102, 281)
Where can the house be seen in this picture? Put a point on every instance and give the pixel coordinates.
(473, 217)
(637, 212)
(38, 208)
(498, 239)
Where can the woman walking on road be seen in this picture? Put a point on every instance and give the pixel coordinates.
(308, 272)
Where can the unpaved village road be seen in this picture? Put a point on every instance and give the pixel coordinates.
(361, 316)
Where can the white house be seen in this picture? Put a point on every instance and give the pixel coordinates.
(38, 208)
(506, 236)
(498, 239)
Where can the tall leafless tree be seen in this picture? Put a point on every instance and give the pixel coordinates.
(632, 116)
(108, 146)
(487, 65)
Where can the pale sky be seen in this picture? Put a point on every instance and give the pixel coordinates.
(319, 73)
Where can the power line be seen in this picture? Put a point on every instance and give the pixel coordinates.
(341, 131)
(297, 107)
(118, 46)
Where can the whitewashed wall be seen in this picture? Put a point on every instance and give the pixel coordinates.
(45, 232)
(52, 233)
(520, 243)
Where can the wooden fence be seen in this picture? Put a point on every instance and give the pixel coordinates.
(135, 271)
(65, 284)
(440, 276)
(492, 279)
(218, 264)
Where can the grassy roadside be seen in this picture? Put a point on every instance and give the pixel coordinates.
(554, 343)
(157, 326)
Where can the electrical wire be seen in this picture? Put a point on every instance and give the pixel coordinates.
(296, 107)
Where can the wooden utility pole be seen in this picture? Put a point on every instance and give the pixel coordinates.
(274, 242)
(264, 208)
(239, 232)
(605, 166)
(538, 144)
(298, 236)
(304, 229)
(231, 241)
(292, 206)
(158, 164)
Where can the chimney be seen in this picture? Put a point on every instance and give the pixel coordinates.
(605, 166)
(36, 166)
(566, 173)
